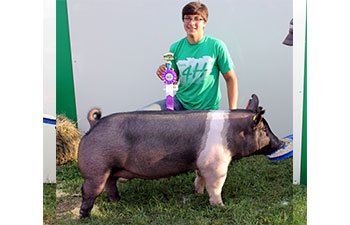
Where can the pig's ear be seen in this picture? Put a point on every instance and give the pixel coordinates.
(253, 103)
(258, 116)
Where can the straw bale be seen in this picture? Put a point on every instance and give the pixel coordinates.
(67, 140)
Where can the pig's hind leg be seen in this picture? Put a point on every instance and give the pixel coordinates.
(92, 187)
(111, 188)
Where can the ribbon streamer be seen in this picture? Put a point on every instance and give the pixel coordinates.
(169, 77)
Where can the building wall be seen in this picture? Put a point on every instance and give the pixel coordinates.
(118, 45)
(49, 90)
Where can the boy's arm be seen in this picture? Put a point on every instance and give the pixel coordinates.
(232, 88)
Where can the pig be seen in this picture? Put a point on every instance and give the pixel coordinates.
(160, 144)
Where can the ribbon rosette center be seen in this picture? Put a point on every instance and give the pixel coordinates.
(169, 77)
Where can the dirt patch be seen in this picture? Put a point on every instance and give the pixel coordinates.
(60, 193)
(69, 207)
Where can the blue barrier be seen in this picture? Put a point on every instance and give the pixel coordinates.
(49, 121)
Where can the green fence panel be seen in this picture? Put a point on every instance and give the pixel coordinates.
(303, 169)
(65, 97)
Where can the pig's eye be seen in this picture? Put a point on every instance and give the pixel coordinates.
(264, 129)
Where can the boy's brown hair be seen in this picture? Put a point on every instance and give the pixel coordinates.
(195, 8)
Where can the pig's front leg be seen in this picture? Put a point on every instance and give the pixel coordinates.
(213, 166)
(199, 183)
(214, 186)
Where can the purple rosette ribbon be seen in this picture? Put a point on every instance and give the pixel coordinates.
(169, 77)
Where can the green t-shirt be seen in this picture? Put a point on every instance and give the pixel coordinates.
(198, 67)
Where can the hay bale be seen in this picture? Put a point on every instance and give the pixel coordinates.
(67, 140)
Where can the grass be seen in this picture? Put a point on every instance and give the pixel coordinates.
(49, 200)
(299, 205)
(256, 191)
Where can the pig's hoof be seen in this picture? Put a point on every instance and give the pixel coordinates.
(114, 198)
(83, 215)
(200, 191)
(217, 203)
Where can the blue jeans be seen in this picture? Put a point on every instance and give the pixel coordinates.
(161, 105)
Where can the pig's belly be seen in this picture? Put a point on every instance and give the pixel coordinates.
(155, 170)
(157, 163)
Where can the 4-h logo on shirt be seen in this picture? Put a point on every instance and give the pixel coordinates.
(195, 70)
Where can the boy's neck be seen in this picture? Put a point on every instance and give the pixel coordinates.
(193, 39)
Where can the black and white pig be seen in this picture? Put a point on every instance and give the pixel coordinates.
(159, 144)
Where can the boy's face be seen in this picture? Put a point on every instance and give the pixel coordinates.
(194, 24)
